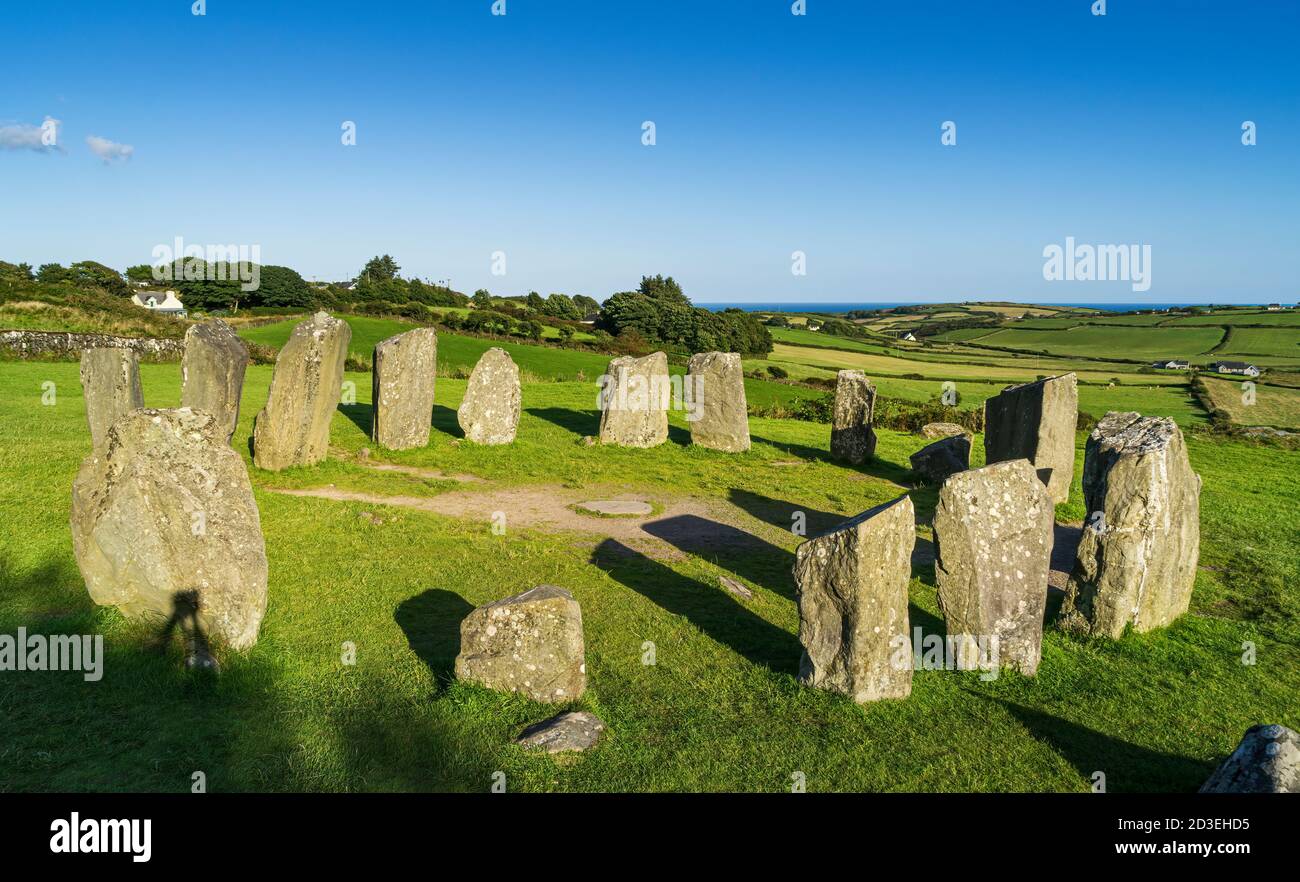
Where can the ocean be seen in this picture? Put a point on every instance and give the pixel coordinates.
(846, 306)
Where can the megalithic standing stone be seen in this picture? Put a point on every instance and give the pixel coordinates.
(852, 437)
(165, 509)
(212, 372)
(634, 401)
(489, 412)
(405, 370)
(716, 408)
(294, 427)
(1036, 421)
(110, 383)
(851, 587)
(993, 544)
(1141, 540)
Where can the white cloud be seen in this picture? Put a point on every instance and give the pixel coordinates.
(43, 138)
(109, 151)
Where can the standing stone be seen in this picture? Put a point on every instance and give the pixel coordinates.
(489, 413)
(993, 542)
(1142, 538)
(1266, 761)
(634, 401)
(948, 456)
(110, 383)
(166, 507)
(212, 372)
(943, 430)
(715, 386)
(405, 367)
(529, 643)
(1036, 421)
(852, 438)
(294, 427)
(852, 595)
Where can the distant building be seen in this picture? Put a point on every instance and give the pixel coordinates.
(814, 326)
(1235, 367)
(590, 318)
(166, 303)
(909, 336)
(1171, 365)
(1274, 307)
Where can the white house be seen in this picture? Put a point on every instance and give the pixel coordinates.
(1235, 367)
(167, 304)
(909, 336)
(1171, 365)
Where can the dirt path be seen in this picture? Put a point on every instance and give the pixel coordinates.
(679, 525)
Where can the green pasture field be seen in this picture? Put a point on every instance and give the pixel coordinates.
(721, 707)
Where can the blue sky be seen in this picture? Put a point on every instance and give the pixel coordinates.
(775, 133)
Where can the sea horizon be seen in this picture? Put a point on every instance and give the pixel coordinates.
(846, 306)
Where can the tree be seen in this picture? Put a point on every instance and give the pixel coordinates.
(281, 286)
(380, 269)
(562, 306)
(141, 272)
(586, 305)
(663, 288)
(53, 272)
(535, 302)
(21, 272)
(482, 299)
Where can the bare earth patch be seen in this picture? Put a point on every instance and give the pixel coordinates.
(683, 525)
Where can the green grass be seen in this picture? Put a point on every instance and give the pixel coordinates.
(1271, 406)
(1268, 343)
(721, 709)
(1111, 341)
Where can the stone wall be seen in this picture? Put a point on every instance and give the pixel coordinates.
(65, 345)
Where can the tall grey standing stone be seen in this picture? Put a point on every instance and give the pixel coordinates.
(294, 427)
(634, 401)
(852, 437)
(947, 456)
(489, 412)
(530, 643)
(110, 383)
(1136, 562)
(1036, 421)
(166, 507)
(1266, 761)
(993, 542)
(852, 595)
(405, 369)
(715, 385)
(212, 372)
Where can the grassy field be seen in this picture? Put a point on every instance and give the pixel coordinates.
(1111, 342)
(1272, 405)
(721, 708)
(1266, 345)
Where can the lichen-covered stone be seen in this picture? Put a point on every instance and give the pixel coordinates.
(1266, 761)
(294, 427)
(489, 412)
(716, 408)
(1136, 562)
(405, 368)
(212, 372)
(166, 507)
(852, 596)
(943, 430)
(993, 545)
(569, 731)
(933, 463)
(852, 437)
(110, 383)
(530, 643)
(1036, 421)
(634, 398)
